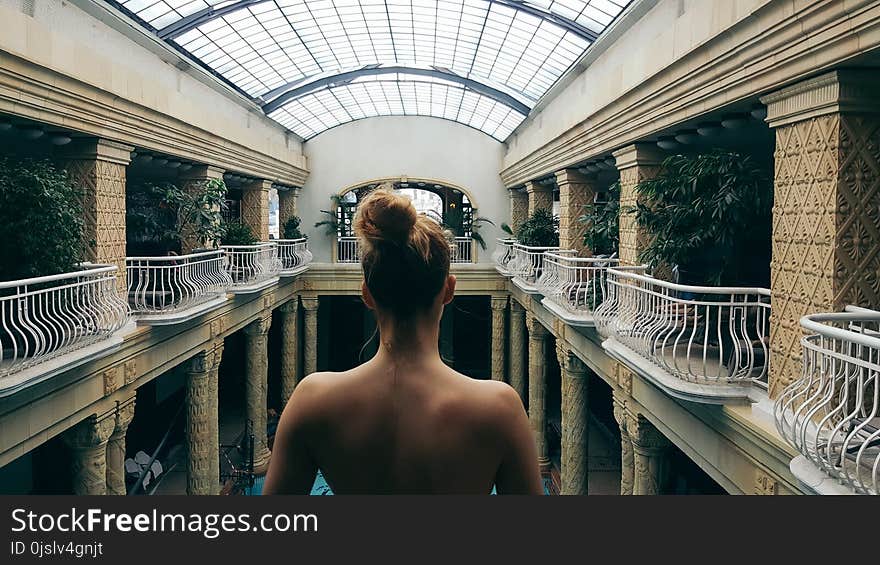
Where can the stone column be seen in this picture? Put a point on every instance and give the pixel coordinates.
(256, 384)
(517, 349)
(116, 448)
(286, 206)
(498, 304)
(255, 208)
(576, 191)
(202, 422)
(519, 207)
(193, 181)
(826, 212)
(88, 441)
(310, 339)
(650, 456)
(289, 348)
(575, 422)
(627, 469)
(97, 167)
(636, 163)
(538, 388)
(540, 196)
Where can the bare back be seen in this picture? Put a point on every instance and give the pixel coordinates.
(404, 428)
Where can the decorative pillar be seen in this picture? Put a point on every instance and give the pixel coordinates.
(826, 212)
(498, 304)
(636, 163)
(517, 349)
(193, 181)
(289, 348)
(310, 339)
(540, 196)
(519, 207)
(575, 422)
(88, 441)
(256, 384)
(255, 208)
(202, 422)
(116, 448)
(538, 388)
(650, 456)
(627, 468)
(286, 206)
(97, 167)
(576, 191)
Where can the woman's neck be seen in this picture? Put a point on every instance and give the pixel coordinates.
(414, 341)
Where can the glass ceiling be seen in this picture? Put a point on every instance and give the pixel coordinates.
(264, 47)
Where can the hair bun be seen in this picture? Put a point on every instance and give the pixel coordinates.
(385, 216)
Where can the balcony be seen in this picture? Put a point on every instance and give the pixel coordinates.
(347, 250)
(831, 415)
(527, 264)
(463, 251)
(503, 255)
(175, 289)
(294, 255)
(573, 287)
(252, 267)
(702, 344)
(50, 324)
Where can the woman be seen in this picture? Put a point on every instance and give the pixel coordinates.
(403, 422)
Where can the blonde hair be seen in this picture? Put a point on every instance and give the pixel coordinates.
(405, 255)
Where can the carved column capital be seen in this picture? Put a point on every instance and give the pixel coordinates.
(124, 415)
(92, 432)
(309, 303)
(536, 328)
(208, 359)
(569, 362)
(259, 327)
(498, 302)
(516, 309)
(645, 436)
(291, 306)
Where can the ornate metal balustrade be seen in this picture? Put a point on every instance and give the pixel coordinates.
(503, 255)
(348, 250)
(252, 267)
(527, 265)
(705, 344)
(294, 255)
(831, 415)
(463, 250)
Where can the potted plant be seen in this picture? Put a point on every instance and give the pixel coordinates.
(709, 216)
(602, 222)
(291, 228)
(237, 233)
(541, 229)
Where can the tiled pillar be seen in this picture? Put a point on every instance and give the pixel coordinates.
(636, 163)
(88, 442)
(255, 208)
(540, 196)
(116, 447)
(289, 348)
(286, 206)
(517, 349)
(310, 337)
(97, 167)
(576, 191)
(202, 422)
(538, 387)
(575, 422)
(650, 456)
(826, 212)
(193, 181)
(498, 305)
(256, 384)
(627, 468)
(519, 208)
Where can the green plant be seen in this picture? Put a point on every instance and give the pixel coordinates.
(332, 222)
(41, 220)
(541, 229)
(709, 215)
(291, 228)
(150, 222)
(505, 227)
(237, 233)
(602, 219)
(199, 210)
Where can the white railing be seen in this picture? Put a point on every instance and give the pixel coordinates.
(45, 317)
(704, 335)
(248, 265)
(294, 254)
(347, 250)
(503, 253)
(577, 284)
(527, 263)
(463, 250)
(832, 413)
(171, 284)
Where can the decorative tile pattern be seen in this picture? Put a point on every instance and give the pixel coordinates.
(575, 192)
(632, 238)
(540, 196)
(255, 210)
(519, 208)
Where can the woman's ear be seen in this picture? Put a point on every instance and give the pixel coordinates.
(367, 297)
(449, 291)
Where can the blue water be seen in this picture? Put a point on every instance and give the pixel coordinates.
(321, 488)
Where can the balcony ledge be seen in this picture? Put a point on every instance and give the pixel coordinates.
(814, 480)
(181, 316)
(585, 320)
(721, 393)
(286, 273)
(254, 286)
(526, 287)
